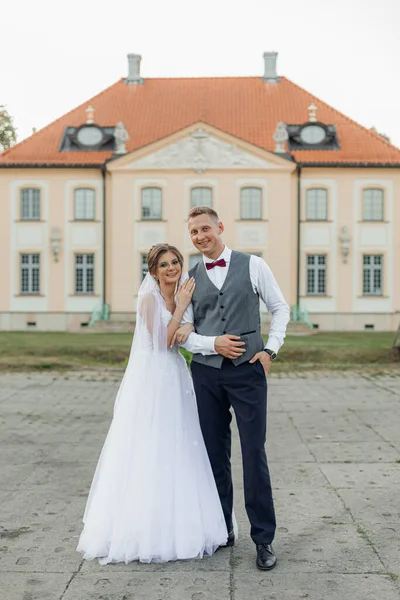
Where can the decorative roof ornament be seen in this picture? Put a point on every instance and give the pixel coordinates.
(381, 135)
(312, 113)
(121, 136)
(89, 115)
(280, 137)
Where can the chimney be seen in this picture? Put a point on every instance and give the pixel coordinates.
(134, 70)
(270, 67)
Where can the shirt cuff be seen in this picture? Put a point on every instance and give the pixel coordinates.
(209, 344)
(273, 344)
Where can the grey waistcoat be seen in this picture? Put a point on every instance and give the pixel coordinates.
(235, 309)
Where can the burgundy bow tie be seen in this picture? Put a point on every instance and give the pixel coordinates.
(217, 263)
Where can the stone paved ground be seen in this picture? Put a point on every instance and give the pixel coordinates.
(334, 452)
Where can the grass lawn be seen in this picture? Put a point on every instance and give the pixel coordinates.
(59, 351)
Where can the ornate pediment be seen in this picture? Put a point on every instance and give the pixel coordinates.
(200, 151)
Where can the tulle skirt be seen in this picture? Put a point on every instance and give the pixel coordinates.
(153, 496)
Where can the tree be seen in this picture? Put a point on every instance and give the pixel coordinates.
(8, 135)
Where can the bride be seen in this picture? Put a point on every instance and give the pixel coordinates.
(153, 495)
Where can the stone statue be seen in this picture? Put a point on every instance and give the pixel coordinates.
(280, 137)
(121, 136)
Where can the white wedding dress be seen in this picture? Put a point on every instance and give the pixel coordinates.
(153, 496)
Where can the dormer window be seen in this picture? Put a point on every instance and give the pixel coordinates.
(312, 134)
(89, 135)
(88, 138)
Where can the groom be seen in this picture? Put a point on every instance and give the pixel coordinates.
(229, 368)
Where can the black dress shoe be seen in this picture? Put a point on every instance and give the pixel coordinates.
(229, 542)
(266, 559)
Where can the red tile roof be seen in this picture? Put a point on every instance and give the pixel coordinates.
(244, 107)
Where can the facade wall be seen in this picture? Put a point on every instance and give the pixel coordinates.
(55, 305)
(345, 306)
(276, 243)
(274, 237)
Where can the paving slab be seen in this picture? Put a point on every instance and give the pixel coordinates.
(363, 475)
(372, 505)
(33, 586)
(316, 587)
(171, 585)
(333, 447)
(355, 452)
(321, 546)
(385, 539)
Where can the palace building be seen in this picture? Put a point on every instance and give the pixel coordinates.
(293, 180)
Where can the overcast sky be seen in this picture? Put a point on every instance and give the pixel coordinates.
(57, 55)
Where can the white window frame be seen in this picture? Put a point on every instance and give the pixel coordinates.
(372, 274)
(144, 269)
(151, 203)
(201, 191)
(373, 204)
(87, 269)
(30, 204)
(317, 267)
(84, 204)
(317, 204)
(249, 211)
(29, 273)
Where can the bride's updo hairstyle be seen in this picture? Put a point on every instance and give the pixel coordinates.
(156, 252)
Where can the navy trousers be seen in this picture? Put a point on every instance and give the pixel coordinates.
(244, 388)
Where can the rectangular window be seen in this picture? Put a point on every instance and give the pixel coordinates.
(251, 203)
(201, 196)
(372, 275)
(143, 266)
(151, 204)
(373, 201)
(84, 273)
(317, 204)
(84, 204)
(30, 274)
(316, 275)
(30, 205)
(193, 260)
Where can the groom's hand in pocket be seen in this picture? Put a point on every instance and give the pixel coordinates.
(229, 346)
(264, 359)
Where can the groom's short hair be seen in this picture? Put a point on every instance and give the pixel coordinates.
(203, 210)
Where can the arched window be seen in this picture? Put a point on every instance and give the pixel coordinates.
(151, 204)
(30, 205)
(317, 204)
(251, 203)
(201, 196)
(373, 204)
(84, 204)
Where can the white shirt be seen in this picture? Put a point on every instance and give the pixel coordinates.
(264, 284)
